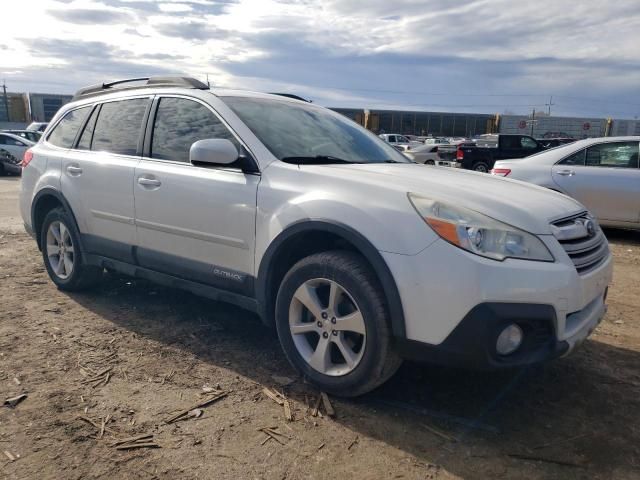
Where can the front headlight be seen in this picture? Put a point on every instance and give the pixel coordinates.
(477, 233)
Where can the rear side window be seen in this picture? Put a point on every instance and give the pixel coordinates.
(64, 133)
(179, 123)
(618, 154)
(575, 159)
(119, 125)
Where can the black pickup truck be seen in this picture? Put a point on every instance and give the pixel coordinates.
(487, 149)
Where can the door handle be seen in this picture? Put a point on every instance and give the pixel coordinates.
(566, 173)
(149, 182)
(74, 170)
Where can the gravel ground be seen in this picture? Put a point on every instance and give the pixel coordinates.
(575, 418)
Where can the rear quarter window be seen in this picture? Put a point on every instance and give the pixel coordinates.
(64, 133)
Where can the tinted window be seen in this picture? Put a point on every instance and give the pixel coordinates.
(5, 140)
(179, 123)
(621, 155)
(65, 131)
(575, 159)
(87, 134)
(510, 142)
(297, 129)
(119, 125)
(528, 143)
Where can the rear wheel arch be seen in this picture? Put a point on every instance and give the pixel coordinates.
(44, 201)
(307, 237)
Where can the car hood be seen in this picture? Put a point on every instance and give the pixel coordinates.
(519, 204)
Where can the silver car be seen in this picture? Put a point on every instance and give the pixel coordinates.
(601, 173)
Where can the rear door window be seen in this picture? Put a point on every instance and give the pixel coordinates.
(574, 159)
(181, 122)
(615, 154)
(118, 128)
(64, 133)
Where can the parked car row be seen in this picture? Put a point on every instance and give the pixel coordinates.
(12, 148)
(601, 173)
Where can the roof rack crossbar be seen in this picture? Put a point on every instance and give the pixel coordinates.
(184, 82)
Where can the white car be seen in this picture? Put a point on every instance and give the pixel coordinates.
(428, 154)
(601, 173)
(12, 148)
(355, 255)
(400, 142)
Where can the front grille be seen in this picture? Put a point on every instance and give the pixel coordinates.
(587, 248)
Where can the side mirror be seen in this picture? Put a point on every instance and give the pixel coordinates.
(213, 151)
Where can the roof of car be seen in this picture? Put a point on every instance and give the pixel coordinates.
(15, 137)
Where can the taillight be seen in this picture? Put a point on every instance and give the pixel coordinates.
(28, 156)
(501, 172)
(459, 154)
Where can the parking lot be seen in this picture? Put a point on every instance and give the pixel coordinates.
(159, 348)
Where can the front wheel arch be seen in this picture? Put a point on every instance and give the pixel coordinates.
(268, 279)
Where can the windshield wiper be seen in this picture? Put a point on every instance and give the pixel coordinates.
(317, 160)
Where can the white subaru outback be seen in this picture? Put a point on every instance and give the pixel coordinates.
(356, 255)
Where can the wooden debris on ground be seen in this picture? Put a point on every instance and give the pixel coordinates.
(100, 378)
(535, 458)
(273, 433)
(273, 395)
(287, 411)
(11, 456)
(440, 433)
(139, 441)
(353, 442)
(280, 399)
(13, 401)
(100, 427)
(207, 401)
(328, 408)
(315, 411)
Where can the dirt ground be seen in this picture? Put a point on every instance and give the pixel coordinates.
(575, 418)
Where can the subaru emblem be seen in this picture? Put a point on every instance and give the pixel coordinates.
(591, 227)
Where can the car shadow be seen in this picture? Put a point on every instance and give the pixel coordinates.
(622, 237)
(573, 418)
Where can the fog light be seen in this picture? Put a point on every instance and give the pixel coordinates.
(509, 339)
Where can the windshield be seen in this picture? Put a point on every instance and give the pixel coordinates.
(299, 133)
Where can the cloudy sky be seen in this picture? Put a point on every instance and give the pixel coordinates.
(439, 55)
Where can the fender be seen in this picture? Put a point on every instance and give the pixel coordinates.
(364, 247)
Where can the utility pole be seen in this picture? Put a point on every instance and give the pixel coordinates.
(550, 104)
(6, 99)
(533, 120)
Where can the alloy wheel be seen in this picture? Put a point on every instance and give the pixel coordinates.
(60, 250)
(327, 327)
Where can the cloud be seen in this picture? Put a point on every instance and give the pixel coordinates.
(89, 16)
(468, 55)
(191, 31)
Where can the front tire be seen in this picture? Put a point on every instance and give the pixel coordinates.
(62, 254)
(333, 324)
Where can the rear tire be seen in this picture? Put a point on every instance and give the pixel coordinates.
(430, 162)
(480, 167)
(333, 324)
(62, 253)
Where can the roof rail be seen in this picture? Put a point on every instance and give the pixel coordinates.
(291, 95)
(184, 82)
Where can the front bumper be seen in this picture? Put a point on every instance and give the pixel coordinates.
(472, 343)
(447, 163)
(456, 303)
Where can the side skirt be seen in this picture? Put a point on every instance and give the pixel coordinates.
(170, 281)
